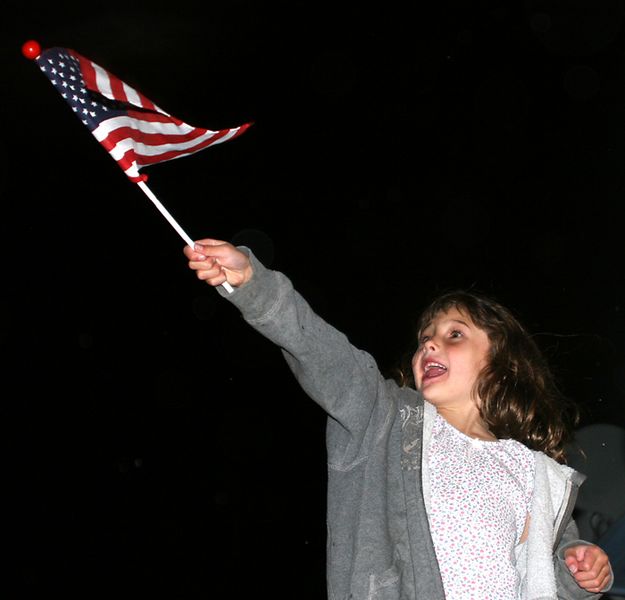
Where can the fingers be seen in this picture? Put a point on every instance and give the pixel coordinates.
(212, 247)
(207, 269)
(593, 559)
(590, 566)
(574, 558)
(571, 563)
(210, 242)
(216, 262)
(204, 261)
(593, 583)
(207, 246)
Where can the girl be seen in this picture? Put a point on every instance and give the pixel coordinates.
(452, 490)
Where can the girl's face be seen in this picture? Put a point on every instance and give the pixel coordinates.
(452, 352)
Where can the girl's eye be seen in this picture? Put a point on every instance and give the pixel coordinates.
(455, 334)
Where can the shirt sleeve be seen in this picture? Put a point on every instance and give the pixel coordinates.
(568, 588)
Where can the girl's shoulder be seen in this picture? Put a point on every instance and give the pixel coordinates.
(555, 470)
(519, 459)
(518, 448)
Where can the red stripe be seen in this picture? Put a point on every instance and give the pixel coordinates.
(150, 160)
(126, 161)
(146, 102)
(153, 117)
(117, 87)
(242, 129)
(142, 160)
(157, 139)
(86, 67)
(152, 139)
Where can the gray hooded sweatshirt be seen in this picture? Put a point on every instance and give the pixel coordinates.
(378, 542)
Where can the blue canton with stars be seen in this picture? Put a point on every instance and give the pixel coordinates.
(63, 71)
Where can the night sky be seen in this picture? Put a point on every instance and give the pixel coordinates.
(156, 444)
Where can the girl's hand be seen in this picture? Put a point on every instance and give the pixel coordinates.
(590, 567)
(216, 262)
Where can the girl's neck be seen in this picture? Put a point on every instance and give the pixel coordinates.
(468, 421)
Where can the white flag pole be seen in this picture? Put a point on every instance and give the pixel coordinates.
(148, 192)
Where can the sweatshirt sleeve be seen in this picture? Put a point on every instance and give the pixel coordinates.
(568, 589)
(344, 380)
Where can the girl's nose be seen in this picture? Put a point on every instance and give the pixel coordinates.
(431, 345)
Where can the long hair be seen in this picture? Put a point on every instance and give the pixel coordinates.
(517, 389)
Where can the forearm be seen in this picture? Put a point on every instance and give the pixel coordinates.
(568, 587)
(343, 379)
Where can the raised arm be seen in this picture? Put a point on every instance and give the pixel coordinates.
(343, 379)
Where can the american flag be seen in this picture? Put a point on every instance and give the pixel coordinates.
(134, 131)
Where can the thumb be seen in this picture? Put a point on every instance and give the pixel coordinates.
(571, 562)
(209, 242)
(212, 247)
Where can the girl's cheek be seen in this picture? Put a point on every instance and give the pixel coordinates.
(417, 378)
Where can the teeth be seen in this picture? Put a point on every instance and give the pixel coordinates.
(432, 365)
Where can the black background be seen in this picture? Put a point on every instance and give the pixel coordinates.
(155, 443)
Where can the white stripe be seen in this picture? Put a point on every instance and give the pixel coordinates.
(132, 95)
(104, 128)
(118, 151)
(144, 150)
(102, 81)
(132, 170)
(103, 85)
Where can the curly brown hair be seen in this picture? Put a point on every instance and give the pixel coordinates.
(519, 395)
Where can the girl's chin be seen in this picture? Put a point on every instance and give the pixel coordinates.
(429, 393)
(427, 386)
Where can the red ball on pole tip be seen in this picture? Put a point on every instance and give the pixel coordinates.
(31, 49)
